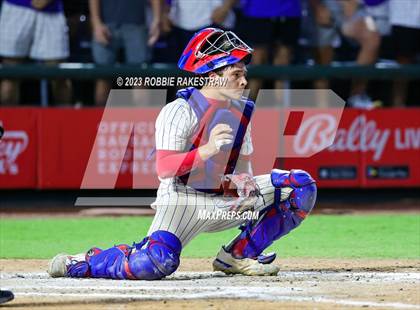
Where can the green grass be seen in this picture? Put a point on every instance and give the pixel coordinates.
(321, 236)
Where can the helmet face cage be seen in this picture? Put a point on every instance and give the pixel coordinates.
(225, 43)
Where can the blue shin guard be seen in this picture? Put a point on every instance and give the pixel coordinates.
(156, 257)
(279, 218)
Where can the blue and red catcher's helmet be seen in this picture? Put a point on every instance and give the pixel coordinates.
(212, 48)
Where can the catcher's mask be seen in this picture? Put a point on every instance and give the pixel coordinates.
(211, 49)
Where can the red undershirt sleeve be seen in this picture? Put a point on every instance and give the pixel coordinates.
(174, 163)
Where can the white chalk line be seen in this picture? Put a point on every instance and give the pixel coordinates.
(350, 276)
(175, 276)
(136, 297)
(143, 290)
(158, 288)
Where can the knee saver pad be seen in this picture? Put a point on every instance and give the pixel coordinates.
(157, 258)
(304, 192)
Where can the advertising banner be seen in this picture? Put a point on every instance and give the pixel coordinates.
(18, 148)
(114, 148)
(393, 159)
(379, 148)
(122, 153)
(91, 148)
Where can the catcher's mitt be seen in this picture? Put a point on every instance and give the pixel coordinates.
(243, 191)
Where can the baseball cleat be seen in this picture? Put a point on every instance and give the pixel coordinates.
(228, 264)
(60, 264)
(6, 296)
(57, 266)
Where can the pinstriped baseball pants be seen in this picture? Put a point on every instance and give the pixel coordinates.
(178, 208)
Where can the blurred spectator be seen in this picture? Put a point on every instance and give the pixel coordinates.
(405, 21)
(354, 21)
(272, 28)
(379, 11)
(121, 24)
(38, 29)
(182, 18)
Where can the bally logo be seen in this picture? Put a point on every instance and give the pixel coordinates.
(363, 135)
(12, 145)
(315, 134)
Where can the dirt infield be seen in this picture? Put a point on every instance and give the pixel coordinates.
(301, 283)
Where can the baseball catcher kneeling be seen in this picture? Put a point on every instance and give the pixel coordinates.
(203, 148)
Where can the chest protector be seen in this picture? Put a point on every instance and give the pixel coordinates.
(237, 116)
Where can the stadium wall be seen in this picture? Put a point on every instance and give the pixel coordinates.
(81, 149)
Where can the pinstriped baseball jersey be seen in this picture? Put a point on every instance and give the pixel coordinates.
(177, 122)
(177, 206)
